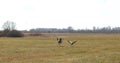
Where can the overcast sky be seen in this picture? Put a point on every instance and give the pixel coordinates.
(79, 14)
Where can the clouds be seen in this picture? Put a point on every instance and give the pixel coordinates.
(48, 13)
(111, 11)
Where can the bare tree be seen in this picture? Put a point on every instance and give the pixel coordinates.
(10, 31)
(9, 25)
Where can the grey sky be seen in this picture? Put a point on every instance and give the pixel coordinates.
(79, 14)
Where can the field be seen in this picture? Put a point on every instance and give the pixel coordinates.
(90, 48)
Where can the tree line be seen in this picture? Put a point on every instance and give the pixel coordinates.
(71, 30)
(9, 30)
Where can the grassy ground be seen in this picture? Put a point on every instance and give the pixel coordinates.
(90, 48)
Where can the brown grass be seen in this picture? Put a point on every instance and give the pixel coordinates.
(90, 48)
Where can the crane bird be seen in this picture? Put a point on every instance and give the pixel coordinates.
(71, 42)
(59, 40)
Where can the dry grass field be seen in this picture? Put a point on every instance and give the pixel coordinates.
(90, 48)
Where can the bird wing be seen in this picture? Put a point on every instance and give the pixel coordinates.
(69, 42)
(74, 42)
(57, 39)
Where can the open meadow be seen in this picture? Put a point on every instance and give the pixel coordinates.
(90, 48)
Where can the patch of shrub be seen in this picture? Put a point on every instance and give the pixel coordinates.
(14, 33)
(4, 33)
(0, 33)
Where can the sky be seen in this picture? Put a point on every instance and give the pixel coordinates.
(79, 14)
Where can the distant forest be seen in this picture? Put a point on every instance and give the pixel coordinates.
(71, 30)
(9, 30)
